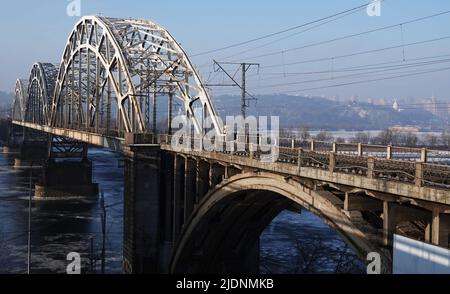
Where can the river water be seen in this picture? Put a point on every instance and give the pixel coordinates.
(292, 243)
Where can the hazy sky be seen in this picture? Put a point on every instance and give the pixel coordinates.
(37, 31)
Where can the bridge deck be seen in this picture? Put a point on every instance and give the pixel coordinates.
(407, 172)
(114, 143)
(399, 178)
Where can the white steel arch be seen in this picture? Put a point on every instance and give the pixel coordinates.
(20, 99)
(40, 88)
(111, 68)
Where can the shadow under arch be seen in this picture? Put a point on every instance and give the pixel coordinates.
(226, 225)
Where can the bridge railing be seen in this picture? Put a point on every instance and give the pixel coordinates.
(373, 161)
(441, 157)
(435, 175)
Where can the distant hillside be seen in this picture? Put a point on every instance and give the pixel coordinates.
(314, 112)
(5, 98)
(321, 113)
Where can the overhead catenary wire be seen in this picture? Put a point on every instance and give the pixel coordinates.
(362, 53)
(369, 81)
(367, 72)
(359, 7)
(347, 36)
(292, 35)
(352, 68)
(388, 66)
(357, 53)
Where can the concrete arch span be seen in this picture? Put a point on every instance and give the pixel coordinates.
(226, 225)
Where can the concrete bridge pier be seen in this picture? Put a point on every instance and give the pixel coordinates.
(202, 183)
(145, 237)
(14, 137)
(66, 178)
(167, 176)
(162, 190)
(190, 186)
(394, 214)
(440, 228)
(67, 171)
(33, 148)
(178, 192)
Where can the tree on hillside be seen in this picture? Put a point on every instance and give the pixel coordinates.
(445, 138)
(431, 140)
(361, 137)
(340, 140)
(324, 136)
(304, 133)
(408, 139)
(386, 137)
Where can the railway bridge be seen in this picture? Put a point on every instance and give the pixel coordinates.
(192, 209)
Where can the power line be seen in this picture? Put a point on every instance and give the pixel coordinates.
(356, 69)
(279, 32)
(291, 35)
(358, 53)
(364, 71)
(283, 38)
(369, 81)
(352, 68)
(363, 74)
(348, 36)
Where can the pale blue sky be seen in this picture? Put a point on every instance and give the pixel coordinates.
(37, 30)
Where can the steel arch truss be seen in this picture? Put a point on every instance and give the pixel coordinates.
(41, 85)
(111, 67)
(20, 100)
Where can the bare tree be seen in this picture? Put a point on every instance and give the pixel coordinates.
(408, 139)
(445, 138)
(431, 140)
(386, 137)
(304, 133)
(286, 133)
(361, 137)
(340, 140)
(324, 136)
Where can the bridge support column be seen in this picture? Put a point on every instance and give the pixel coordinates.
(14, 135)
(388, 222)
(62, 177)
(5, 132)
(440, 228)
(202, 179)
(167, 175)
(66, 178)
(142, 210)
(178, 192)
(216, 174)
(394, 214)
(354, 202)
(231, 170)
(34, 149)
(190, 177)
